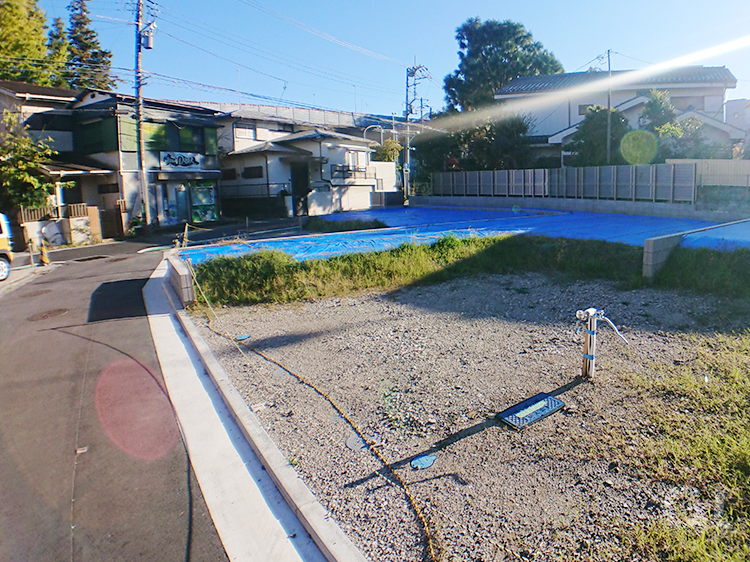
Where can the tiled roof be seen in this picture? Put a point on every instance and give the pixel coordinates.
(24, 88)
(683, 75)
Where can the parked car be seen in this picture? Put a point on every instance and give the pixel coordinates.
(6, 254)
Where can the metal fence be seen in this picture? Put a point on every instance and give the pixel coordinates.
(671, 183)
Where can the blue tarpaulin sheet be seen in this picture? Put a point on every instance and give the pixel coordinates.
(726, 238)
(427, 225)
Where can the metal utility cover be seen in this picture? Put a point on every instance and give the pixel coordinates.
(530, 410)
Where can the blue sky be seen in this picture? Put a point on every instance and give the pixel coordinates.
(352, 55)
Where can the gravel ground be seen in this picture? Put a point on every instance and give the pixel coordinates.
(423, 371)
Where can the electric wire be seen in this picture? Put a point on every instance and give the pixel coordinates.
(372, 447)
(217, 34)
(322, 34)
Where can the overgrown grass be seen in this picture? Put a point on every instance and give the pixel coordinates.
(702, 440)
(274, 277)
(710, 271)
(318, 224)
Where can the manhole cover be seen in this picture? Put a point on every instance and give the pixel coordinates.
(34, 293)
(48, 314)
(91, 258)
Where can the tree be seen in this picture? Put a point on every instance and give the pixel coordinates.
(497, 145)
(491, 54)
(90, 64)
(387, 152)
(657, 112)
(22, 181)
(58, 50)
(676, 138)
(22, 42)
(590, 140)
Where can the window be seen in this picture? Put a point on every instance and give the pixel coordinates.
(191, 139)
(244, 132)
(252, 172)
(107, 188)
(212, 141)
(155, 136)
(229, 174)
(98, 136)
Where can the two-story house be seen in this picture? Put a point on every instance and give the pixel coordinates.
(268, 157)
(558, 103)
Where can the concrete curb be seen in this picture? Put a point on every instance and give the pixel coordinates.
(328, 536)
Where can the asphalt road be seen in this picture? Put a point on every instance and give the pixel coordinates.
(92, 464)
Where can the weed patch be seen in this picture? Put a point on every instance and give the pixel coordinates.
(702, 440)
(274, 277)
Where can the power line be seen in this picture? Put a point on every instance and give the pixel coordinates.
(238, 41)
(322, 34)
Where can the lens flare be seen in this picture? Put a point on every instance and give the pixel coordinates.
(639, 147)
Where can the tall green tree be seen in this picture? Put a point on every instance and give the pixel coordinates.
(90, 65)
(58, 50)
(491, 54)
(22, 181)
(590, 140)
(23, 46)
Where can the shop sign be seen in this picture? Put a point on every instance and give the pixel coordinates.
(180, 160)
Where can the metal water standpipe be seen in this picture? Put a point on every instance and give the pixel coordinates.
(591, 316)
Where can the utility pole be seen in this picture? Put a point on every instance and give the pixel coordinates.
(609, 109)
(139, 34)
(413, 75)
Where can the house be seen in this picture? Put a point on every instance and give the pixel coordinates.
(201, 161)
(267, 157)
(558, 103)
(180, 158)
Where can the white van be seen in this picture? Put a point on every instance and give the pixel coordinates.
(6, 254)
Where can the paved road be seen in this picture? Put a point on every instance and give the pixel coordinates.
(92, 464)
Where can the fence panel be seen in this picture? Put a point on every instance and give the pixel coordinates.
(684, 183)
(663, 182)
(673, 183)
(459, 183)
(625, 183)
(502, 183)
(472, 183)
(516, 183)
(486, 183)
(607, 177)
(590, 183)
(643, 183)
(539, 179)
(571, 182)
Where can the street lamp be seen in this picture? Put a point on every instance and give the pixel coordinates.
(364, 135)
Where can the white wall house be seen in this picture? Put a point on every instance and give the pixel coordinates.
(560, 102)
(266, 158)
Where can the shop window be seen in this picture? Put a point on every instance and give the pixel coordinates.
(252, 172)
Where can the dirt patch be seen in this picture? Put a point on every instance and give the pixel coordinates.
(422, 372)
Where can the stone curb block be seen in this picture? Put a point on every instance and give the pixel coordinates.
(329, 537)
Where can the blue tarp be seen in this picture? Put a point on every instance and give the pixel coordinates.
(724, 238)
(427, 225)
